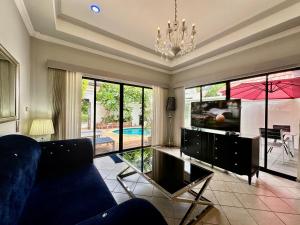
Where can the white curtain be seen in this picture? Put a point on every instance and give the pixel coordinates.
(159, 124)
(65, 92)
(73, 104)
(179, 115)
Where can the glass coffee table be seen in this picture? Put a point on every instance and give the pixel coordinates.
(171, 175)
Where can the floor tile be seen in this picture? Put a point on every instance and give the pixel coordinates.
(165, 206)
(215, 215)
(289, 219)
(265, 217)
(227, 198)
(119, 188)
(143, 189)
(251, 201)
(277, 205)
(293, 203)
(238, 216)
(111, 184)
(219, 185)
(120, 197)
(180, 209)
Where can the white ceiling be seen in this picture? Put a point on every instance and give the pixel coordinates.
(126, 29)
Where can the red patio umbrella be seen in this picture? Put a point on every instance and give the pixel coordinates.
(277, 89)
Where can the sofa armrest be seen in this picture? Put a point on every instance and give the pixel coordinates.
(62, 156)
(133, 212)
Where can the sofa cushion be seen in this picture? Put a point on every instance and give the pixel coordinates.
(68, 199)
(60, 157)
(19, 157)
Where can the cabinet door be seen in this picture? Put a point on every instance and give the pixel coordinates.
(220, 152)
(190, 146)
(207, 142)
(240, 155)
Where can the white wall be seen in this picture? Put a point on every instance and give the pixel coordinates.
(15, 38)
(80, 61)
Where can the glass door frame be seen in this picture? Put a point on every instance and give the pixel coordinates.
(121, 115)
(266, 74)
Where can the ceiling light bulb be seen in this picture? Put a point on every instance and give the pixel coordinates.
(95, 8)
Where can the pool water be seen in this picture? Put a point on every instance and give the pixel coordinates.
(134, 131)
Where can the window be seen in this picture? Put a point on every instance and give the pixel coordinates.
(214, 92)
(191, 95)
(115, 116)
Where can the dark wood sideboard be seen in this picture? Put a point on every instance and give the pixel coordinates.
(238, 154)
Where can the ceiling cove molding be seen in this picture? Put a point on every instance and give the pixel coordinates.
(97, 52)
(25, 16)
(26, 19)
(266, 40)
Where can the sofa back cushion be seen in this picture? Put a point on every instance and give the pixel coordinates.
(19, 157)
(60, 157)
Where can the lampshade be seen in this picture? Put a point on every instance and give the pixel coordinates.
(171, 104)
(41, 127)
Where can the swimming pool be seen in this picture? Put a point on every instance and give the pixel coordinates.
(134, 131)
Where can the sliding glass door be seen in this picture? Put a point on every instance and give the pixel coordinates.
(87, 108)
(132, 117)
(148, 101)
(115, 116)
(252, 95)
(270, 106)
(283, 122)
(107, 117)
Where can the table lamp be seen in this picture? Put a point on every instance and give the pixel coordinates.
(41, 129)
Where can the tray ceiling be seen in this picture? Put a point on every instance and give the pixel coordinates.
(127, 29)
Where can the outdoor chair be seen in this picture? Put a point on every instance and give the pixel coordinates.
(278, 140)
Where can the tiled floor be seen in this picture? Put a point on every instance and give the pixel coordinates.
(270, 200)
(279, 161)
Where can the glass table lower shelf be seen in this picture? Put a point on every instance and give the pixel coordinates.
(171, 175)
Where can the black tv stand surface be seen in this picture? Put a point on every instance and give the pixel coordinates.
(230, 151)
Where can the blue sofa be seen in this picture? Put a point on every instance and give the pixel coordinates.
(56, 183)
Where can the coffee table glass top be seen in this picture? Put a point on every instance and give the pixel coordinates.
(172, 174)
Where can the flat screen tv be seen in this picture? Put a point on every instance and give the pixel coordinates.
(218, 115)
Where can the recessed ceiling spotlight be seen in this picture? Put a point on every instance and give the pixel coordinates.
(95, 8)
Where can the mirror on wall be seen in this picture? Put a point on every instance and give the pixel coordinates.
(8, 87)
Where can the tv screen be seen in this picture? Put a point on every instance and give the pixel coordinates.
(219, 115)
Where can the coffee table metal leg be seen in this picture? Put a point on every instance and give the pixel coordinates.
(197, 198)
(121, 175)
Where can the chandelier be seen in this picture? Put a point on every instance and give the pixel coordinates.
(177, 41)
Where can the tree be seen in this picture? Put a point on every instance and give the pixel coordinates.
(214, 89)
(108, 96)
(84, 103)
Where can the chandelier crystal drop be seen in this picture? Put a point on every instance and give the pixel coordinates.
(178, 40)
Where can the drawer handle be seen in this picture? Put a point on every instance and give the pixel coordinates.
(235, 153)
(197, 143)
(235, 164)
(235, 142)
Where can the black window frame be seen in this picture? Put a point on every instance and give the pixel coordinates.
(121, 115)
(266, 74)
